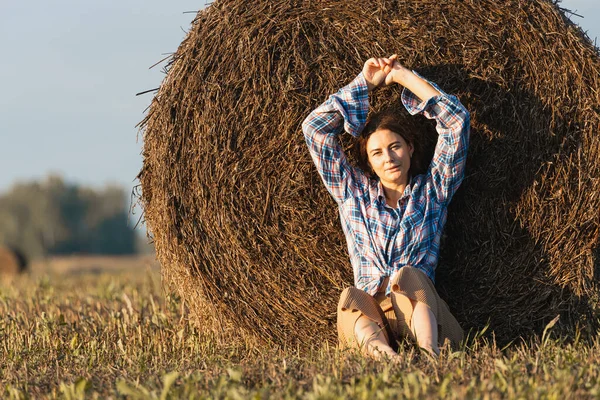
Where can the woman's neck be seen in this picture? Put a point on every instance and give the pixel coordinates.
(393, 192)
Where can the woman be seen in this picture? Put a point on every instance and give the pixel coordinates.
(392, 220)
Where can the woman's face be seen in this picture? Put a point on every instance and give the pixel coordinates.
(389, 156)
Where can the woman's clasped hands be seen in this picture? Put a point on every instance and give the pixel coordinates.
(384, 70)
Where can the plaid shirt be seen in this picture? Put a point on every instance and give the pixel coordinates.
(382, 239)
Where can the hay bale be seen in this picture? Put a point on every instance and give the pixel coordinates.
(240, 217)
(12, 262)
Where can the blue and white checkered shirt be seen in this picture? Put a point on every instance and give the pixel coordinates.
(382, 239)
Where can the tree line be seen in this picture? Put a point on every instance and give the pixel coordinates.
(52, 217)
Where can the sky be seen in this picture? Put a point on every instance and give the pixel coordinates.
(70, 70)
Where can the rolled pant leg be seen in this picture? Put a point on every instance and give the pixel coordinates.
(411, 283)
(352, 305)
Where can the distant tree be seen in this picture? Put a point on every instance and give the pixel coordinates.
(54, 217)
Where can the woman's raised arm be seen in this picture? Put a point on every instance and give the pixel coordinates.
(446, 170)
(345, 110)
(407, 78)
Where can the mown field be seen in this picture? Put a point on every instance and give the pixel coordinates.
(112, 333)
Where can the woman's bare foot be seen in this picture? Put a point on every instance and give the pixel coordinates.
(430, 353)
(372, 339)
(382, 352)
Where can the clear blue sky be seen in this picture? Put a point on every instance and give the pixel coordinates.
(70, 71)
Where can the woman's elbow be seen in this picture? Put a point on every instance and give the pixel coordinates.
(307, 127)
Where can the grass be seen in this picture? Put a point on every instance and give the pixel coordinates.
(115, 335)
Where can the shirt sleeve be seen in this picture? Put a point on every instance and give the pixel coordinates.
(447, 167)
(344, 111)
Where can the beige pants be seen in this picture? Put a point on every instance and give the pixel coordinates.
(394, 313)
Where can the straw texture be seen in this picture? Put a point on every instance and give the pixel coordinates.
(241, 219)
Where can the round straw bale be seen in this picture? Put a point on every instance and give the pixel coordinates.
(12, 262)
(241, 218)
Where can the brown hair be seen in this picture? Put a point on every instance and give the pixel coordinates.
(389, 118)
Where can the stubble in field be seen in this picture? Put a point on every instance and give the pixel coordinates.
(114, 334)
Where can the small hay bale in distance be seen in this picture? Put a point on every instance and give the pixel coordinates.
(240, 217)
(12, 262)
